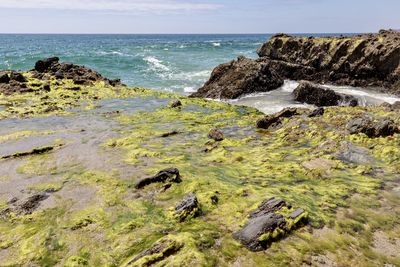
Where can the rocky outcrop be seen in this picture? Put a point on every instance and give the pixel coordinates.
(240, 77)
(362, 60)
(369, 60)
(268, 224)
(13, 82)
(79, 74)
(313, 94)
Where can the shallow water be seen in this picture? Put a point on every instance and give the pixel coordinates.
(276, 100)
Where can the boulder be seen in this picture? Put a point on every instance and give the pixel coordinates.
(163, 176)
(312, 94)
(216, 135)
(4, 78)
(46, 64)
(383, 127)
(272, 220)
(239, 77)
(188, 207)
(316, 113)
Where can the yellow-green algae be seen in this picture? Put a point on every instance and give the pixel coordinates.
(345, 207)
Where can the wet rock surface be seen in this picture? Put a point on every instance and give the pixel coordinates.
(166, 175)
(25, 206)
(188, 207)
(267, 224)
(240, 77)
(313, 94)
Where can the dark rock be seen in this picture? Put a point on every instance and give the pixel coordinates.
(216, 135)
(46, 64)
(275, 120)
(187, 208)
(268, 224)
(18, 77)
(46, 87)
(167, 175)
(382, 128)
(269, 206)
(316, 113)
(239, 77)
(176, 103)
(79, 74)
(4, 78)
(313, 94)
(164, 135)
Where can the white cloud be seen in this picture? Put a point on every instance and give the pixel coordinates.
(109, 5)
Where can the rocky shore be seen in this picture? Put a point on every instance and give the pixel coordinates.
(369, 60)
(94, 173)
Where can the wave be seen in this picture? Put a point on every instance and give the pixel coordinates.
(156, 63)
(216, 44)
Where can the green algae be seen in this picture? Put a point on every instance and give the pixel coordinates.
(246, 168)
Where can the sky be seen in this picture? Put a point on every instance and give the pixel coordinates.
(198, 16)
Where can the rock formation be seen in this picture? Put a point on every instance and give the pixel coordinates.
(369, 60)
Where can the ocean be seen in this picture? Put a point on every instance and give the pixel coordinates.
(174, 63)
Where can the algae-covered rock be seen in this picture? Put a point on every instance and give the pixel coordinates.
(176, 103)
(273, 219)
(361, 60)
(166, 175)
(188, 207)
(239, 77)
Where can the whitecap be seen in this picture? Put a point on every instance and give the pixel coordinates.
(216, 44)
(189, 89)
(156, 63)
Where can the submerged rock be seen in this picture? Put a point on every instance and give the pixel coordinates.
(239, 77)
(350, 153)
(167, 175)
(188, 208)
(273, 219)
(216, 135)
(313, 94)
(382, 128)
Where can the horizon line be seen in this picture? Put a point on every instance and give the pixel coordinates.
(252, 33)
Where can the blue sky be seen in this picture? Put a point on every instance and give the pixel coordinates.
(197, 16)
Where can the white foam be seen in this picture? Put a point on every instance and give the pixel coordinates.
(189, 89)
(216, 44)
(156, 63)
